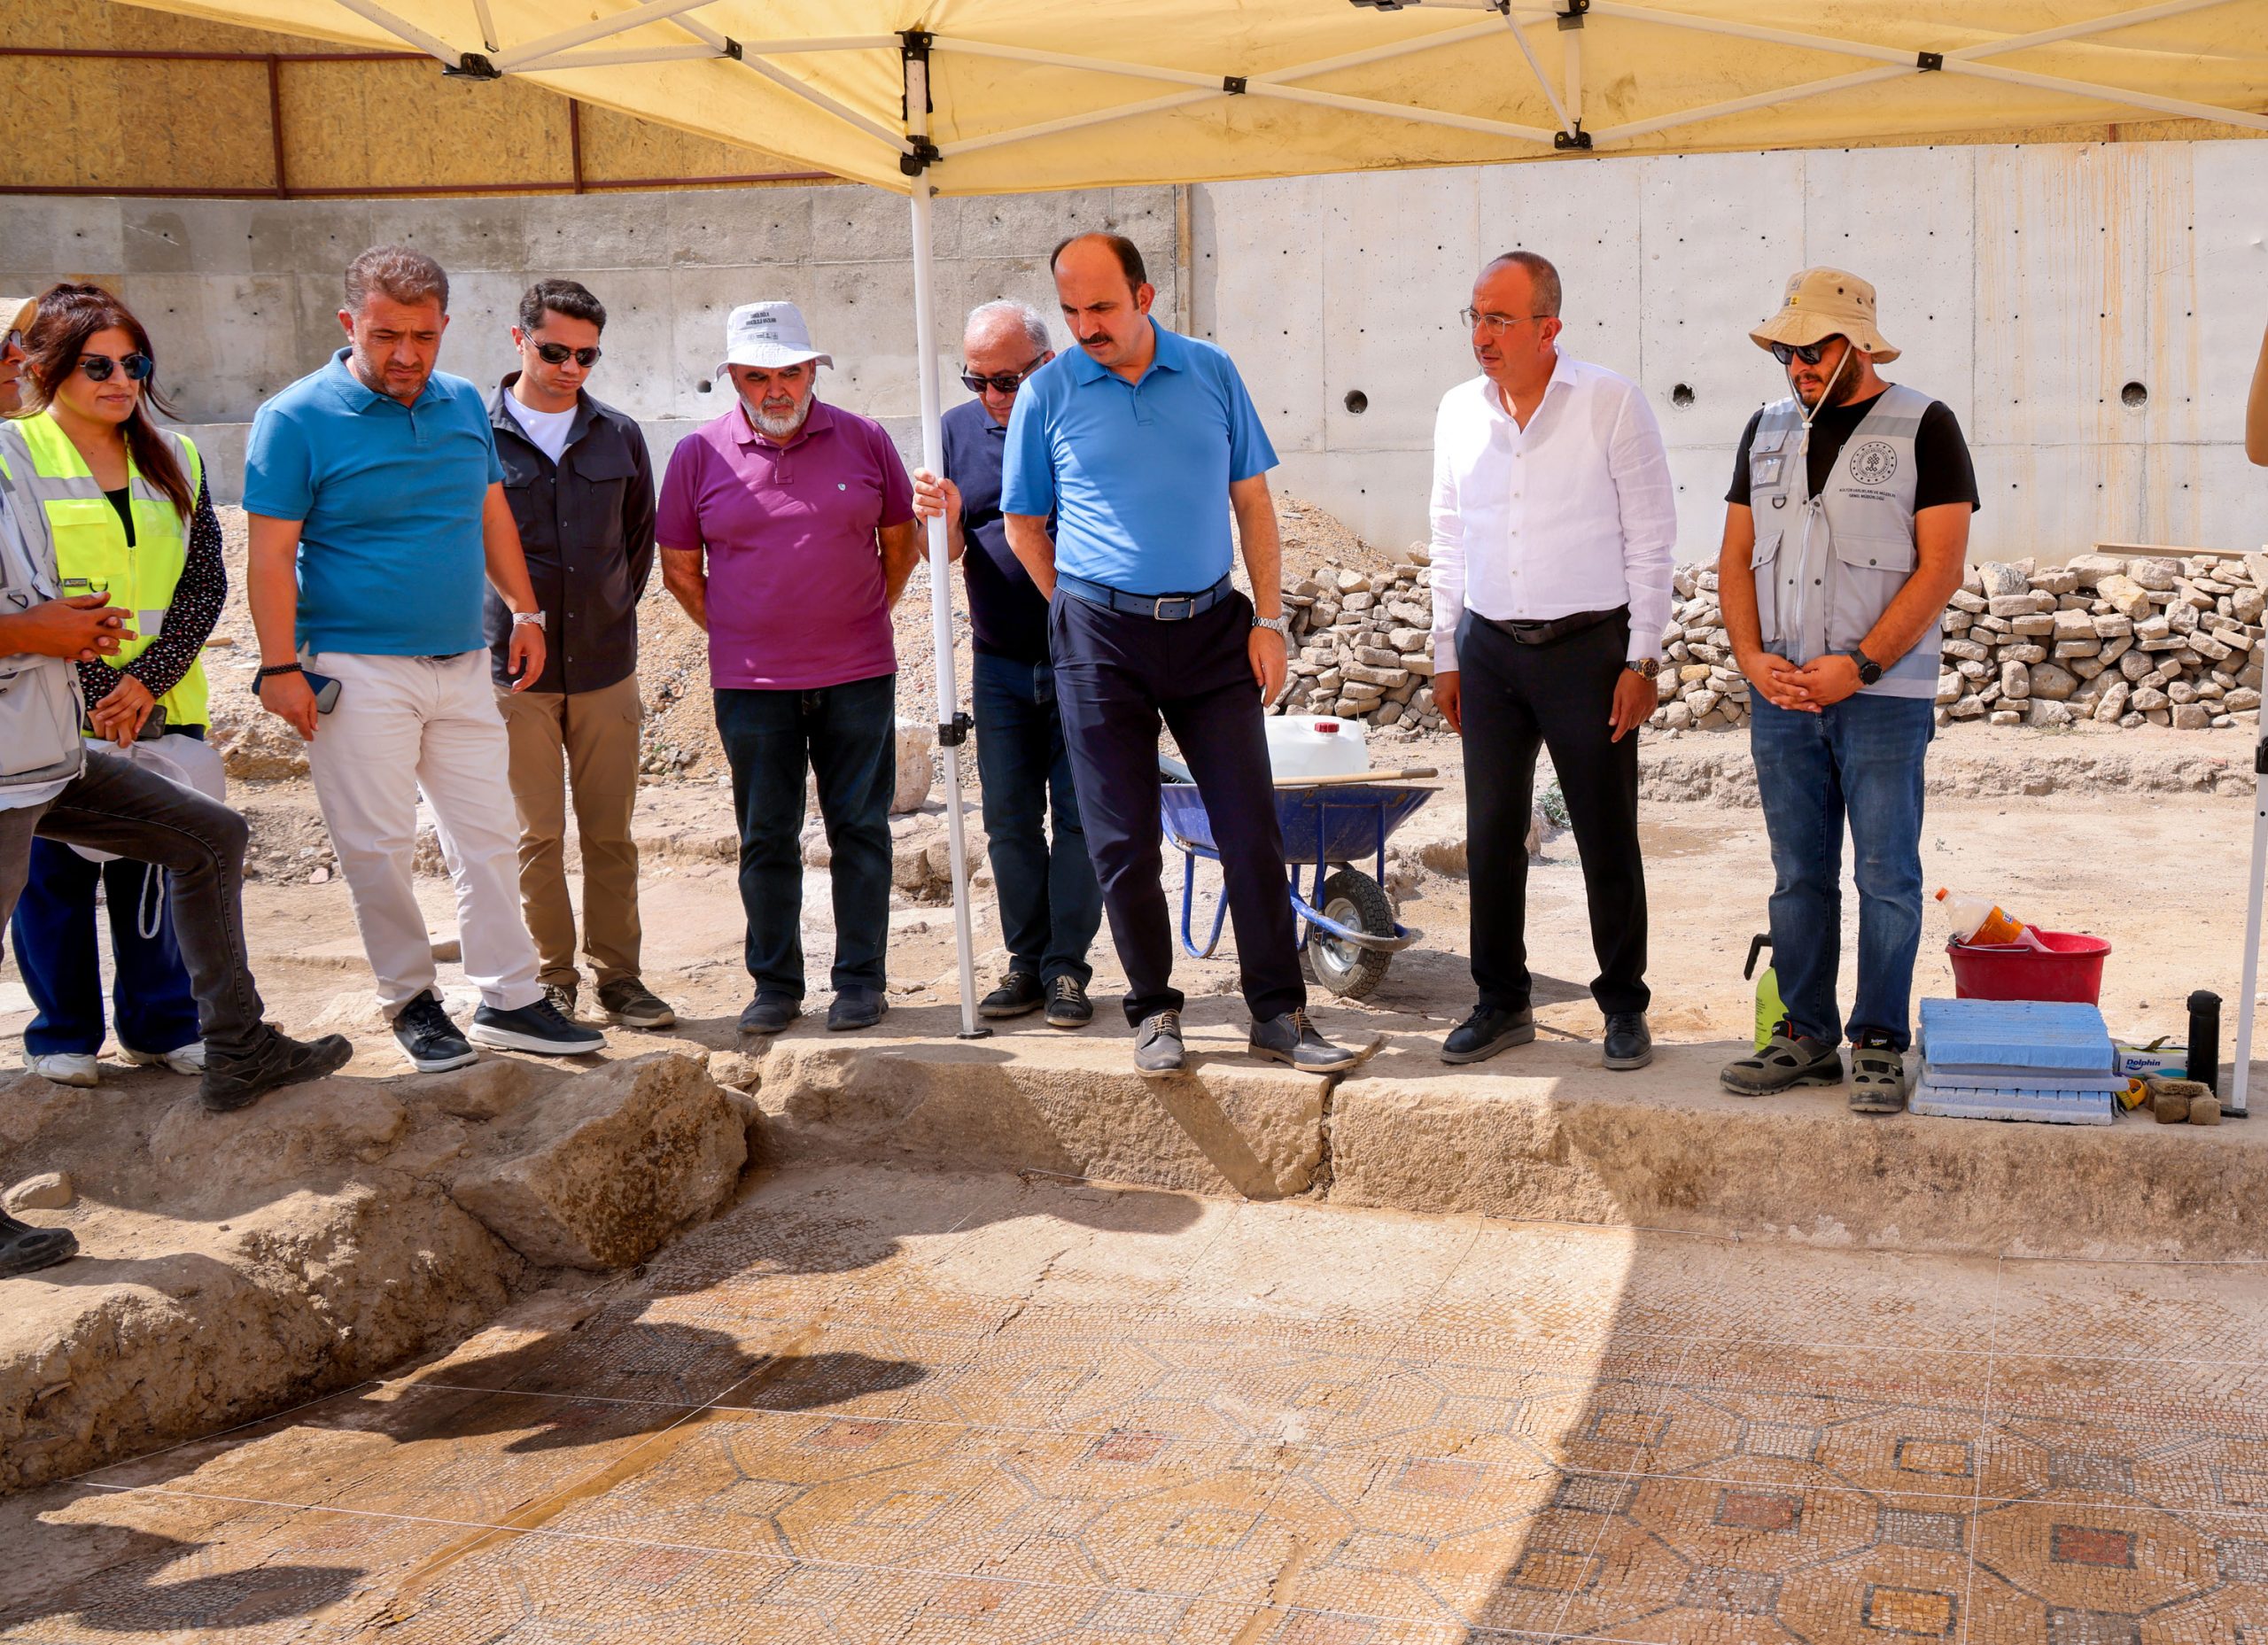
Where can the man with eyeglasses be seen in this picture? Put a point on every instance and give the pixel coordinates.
(1554, 523)
(54, 786)
(1051, 906)
(581, 487)
(1846, 530)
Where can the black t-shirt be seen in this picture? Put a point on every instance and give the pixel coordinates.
(1943, 472)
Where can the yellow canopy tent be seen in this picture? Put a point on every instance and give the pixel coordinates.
(981, 97)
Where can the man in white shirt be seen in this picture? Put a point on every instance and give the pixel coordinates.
(1554, 523)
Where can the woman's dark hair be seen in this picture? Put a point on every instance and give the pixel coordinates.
(68, 315)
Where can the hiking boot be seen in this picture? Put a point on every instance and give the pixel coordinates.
(1291, 1038)
(1786, 1062)
(188, 1058)
(1019, 995)
(1877, 1077)
(856, 1008)
(561, 997)
(427, 1036)
(25, 1250)
(539, 1027)
(1157, 1045)
(1068, 1006)
(65, 1068)
(233, 1082)
(1629, 1044)
(631, 1003)
(1489, 1030)
(769, 1014)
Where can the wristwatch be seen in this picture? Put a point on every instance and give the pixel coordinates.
(1645, 667)
(1280, 626)
(535, 617)
(1869, 671)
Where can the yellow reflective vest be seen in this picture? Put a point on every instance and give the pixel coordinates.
(89, 542)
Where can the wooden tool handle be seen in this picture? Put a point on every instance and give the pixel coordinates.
(1407, 774)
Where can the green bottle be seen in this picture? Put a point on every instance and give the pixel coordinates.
(1769, 1009)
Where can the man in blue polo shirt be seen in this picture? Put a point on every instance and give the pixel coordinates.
(1050, 905)
(376, 512)
(1142, 442)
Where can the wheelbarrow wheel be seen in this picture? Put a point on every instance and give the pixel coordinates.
(1353, 899)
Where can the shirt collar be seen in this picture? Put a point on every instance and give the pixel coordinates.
(1172, 354)
(358, 396)
(818, 420)
(1563, 374)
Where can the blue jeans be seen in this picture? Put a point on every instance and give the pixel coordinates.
(1860, 758)
(60, 954)
(1051, 903)
(847, 736)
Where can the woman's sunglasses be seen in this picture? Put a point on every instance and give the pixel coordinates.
(98, 367)
(559, 354)
(1808, 354)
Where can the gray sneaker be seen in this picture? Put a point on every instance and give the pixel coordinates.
(1291, 1038)
(1157, 1045)
(630, 1002)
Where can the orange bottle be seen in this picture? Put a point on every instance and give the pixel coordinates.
(1978, 922)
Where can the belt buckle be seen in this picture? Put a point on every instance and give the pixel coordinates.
(1187, 602)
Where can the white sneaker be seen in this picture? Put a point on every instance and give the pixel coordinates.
(188, 1058)
(68, 1068)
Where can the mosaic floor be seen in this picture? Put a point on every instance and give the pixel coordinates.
(870, 1407)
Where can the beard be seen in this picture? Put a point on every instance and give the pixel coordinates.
(1839, 388)
(777, 428)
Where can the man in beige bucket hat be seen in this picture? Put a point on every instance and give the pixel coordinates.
(1846, 530)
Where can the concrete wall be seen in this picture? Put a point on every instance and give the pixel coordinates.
(2027, 286)
(242, 297)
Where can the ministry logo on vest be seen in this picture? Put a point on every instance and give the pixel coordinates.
(1874, 463)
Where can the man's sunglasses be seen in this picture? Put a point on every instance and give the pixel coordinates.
(1000, 383)
(1808, 354)
(559, 354)
(98, 367)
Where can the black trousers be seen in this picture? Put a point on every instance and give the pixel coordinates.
(1559, 697)
(1116, 675)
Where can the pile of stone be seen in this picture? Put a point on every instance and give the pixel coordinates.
(2122, 640)
(1701, 689)
(1362, 645)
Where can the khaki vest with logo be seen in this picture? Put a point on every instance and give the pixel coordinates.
(1827, 567)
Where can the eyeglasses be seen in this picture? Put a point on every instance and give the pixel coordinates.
(1808, 354)
(1000, 382)
(1496, 325)
(14, 340)
(98, 367)
(559, 354)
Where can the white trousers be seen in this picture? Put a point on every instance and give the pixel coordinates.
(403, 726)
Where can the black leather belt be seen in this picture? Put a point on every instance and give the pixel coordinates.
(1558, 629)
(1165, 608)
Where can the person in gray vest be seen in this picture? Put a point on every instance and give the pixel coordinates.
(1846, 530)
(53, 787)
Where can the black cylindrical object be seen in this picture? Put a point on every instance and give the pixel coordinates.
(2205, 1038)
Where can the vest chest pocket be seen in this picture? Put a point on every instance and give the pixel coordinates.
(1869, 573)
(1767, 462)
(1764, 566)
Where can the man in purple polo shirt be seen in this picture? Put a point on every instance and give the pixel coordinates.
(786, 531)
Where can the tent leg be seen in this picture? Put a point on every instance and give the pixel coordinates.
(2247, 993)
(952, 726)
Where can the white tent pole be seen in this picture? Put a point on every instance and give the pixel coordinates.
(2091, 26)
(409, 34)
(2247, 995)
(1571, 43)
(598, 28)
(2108, 93)
(1072, 122)
(952, 727)
(1558, 108)
(1737, 105)
(481, 14)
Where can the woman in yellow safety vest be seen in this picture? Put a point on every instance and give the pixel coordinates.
(127, 505)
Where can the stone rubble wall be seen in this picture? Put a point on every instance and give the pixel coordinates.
(2121, 641)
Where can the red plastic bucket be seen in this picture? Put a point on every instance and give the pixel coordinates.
(2071, 968)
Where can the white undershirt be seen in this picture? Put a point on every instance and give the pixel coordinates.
(547, 429)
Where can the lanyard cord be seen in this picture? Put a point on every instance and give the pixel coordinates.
(1803, 441)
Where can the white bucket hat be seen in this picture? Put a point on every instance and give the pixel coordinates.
(770, 335)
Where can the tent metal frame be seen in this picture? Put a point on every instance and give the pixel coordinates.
(916, 153)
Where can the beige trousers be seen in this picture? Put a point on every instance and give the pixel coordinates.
(582, 745)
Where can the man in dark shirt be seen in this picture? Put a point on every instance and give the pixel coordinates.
(1051, 904)
(1846, 530)
(581, 487)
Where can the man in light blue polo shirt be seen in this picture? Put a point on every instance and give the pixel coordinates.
(1142, 442)
(377, 513)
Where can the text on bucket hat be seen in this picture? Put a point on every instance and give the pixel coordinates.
(769, 335)
(1821, 303)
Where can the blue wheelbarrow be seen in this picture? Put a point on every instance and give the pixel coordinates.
(1346, 919)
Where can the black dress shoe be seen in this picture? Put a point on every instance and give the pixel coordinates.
(1019, 995)
(1068, 1004)
(1488, 1031)
(856, 1008)
(1628, 1044)
(770, 1013)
